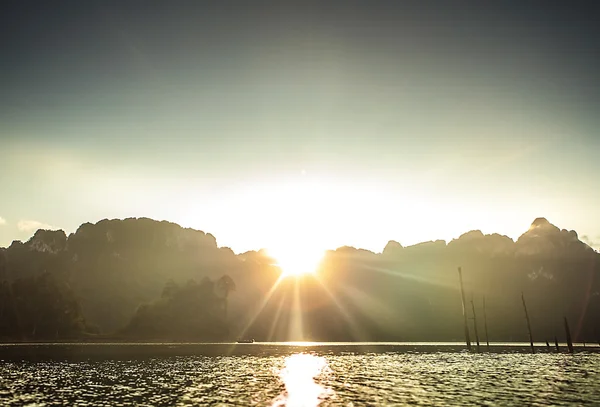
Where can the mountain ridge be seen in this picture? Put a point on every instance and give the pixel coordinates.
(135, 276)
(538, 225)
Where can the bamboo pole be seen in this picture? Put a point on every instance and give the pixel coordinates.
(568, 332)
(464, 310)
(528, 323)
(487, 338)
(556, 343)
(475, 324)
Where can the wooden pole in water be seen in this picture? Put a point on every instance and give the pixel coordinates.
(568, 332)
(548, 345)
(487, 338)
(556, 343)
(464, 309)
(475, 323)
(528, 323)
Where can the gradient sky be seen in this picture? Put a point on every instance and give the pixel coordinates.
(310, 125)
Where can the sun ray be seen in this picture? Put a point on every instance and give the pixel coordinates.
(295, 331)
(260, 308)
(412, 277)
(355, 331)
(275, 319)
(366, 304)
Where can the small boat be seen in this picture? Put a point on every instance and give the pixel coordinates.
(246, 341)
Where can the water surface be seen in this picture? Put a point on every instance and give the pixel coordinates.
(294, 375)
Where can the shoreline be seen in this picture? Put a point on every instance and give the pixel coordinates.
(132, 351)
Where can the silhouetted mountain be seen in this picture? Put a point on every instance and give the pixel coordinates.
(543, 238)
(393, 248)
(476, 242)
(144, 279)
(189, 311)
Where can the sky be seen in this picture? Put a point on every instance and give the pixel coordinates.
(310, 125)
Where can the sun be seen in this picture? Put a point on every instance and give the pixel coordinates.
(296, 261)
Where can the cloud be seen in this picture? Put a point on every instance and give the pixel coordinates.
(31, 225)
(2, 221)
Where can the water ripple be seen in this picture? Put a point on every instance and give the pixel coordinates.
(309, 379)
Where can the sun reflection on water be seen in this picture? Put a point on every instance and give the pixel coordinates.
(298, 376)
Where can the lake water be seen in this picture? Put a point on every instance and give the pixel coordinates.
(294, 375)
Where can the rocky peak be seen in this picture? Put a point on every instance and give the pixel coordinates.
(544, 237)
(392, 247)
(51, 241)
(540, 222)
(475, 240)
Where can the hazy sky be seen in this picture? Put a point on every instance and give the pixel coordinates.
(310, 125)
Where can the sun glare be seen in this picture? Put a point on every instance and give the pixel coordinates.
(298, 375)
(295, 262)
